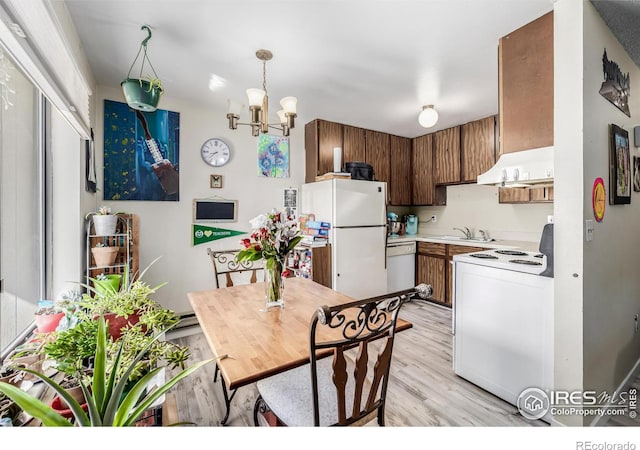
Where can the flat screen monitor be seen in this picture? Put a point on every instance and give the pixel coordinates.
(215, 210)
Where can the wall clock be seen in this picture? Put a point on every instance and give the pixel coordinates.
(215, 152)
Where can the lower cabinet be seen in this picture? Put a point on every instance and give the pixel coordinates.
(431, 261)
(434, 266)
(311, 262)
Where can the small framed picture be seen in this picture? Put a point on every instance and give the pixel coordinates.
(216, 181)
(620, 167)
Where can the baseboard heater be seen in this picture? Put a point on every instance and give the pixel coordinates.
(187, 320)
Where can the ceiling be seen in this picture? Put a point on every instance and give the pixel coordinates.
(623, 18)
(368, 63)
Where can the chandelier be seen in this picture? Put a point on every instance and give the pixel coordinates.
(259, 106)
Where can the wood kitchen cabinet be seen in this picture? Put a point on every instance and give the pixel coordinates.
(377, 151)
(430, 268)
(525, 195)
(400, 164)
(446, 156)
(477, 148)
(423, 189)
(320, 137)
(311, 262)
(525, 86)
(353, 144)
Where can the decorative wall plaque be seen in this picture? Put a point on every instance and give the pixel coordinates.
(616, 86)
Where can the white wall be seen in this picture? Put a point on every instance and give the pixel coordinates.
(612, 259)
(477, 207)
(165, 227)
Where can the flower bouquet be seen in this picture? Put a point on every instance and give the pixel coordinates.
(274, 236)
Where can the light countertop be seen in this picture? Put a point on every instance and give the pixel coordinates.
(498, 243)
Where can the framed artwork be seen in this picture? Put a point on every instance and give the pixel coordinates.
(619, 167)
(141, 153)
(273, 156)
(636, 174)
(216, 181)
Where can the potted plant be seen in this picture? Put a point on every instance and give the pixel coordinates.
(106, 404)
(104, 223)
(105, 283)
(47, 316)
(103, 255)
(141, 93)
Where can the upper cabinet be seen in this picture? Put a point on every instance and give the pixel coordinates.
(353, 144)
(320, 137)
(422, 170)
(525, 86)
(477, 148)
(446, 154)
(377, 151)
(400, 163)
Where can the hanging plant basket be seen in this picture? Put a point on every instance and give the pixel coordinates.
(142, 93)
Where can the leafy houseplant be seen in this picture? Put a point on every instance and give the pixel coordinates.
(106, 404)
(274, 237)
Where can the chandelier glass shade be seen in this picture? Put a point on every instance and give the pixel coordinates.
(259, 106)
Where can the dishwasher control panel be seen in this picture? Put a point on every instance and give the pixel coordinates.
(400, 248)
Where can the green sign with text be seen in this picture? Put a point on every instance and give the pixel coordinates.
(201, 234)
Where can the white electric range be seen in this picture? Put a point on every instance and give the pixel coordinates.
(519, 261)
(503, 322)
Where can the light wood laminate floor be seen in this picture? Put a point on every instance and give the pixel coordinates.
(423, 390)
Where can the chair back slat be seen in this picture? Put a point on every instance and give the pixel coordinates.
(380, 370)
(340, 381)
(360, 376)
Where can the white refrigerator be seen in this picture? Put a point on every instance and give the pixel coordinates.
(356, 210)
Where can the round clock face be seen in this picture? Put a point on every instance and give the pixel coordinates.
(215, 152)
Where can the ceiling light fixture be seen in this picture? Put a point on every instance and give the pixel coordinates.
(259, 106)
(428, 116)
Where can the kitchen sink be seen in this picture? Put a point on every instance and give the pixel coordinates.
(461, 238)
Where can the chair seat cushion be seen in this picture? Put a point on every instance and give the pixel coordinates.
(290, 397)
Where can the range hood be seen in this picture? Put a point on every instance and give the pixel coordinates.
(526, 168)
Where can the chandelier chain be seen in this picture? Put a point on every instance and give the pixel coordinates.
(264, 76)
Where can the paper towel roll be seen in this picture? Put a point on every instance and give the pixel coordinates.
(337, 159)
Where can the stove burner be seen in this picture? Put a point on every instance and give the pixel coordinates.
(484, 256)
(540, 255)
(525, 261)
(511, 252)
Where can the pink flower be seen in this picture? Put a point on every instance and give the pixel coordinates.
(246, 243)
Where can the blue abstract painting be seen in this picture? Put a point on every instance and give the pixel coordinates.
(141, 153)
(273, 156)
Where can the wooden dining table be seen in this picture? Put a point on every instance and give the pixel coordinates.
(251, 342)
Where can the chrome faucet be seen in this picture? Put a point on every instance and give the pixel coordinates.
(484, 235)
(467, 233)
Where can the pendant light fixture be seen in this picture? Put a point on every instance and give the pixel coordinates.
(428, 117)
(259, 106)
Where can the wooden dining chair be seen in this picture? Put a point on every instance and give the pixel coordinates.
(225, 265)
(360, 337)
(231, 272)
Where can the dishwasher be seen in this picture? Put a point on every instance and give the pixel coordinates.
(401, 266)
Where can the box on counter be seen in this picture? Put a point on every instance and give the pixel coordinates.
(317, 232)
(318, 225)
(304, 218)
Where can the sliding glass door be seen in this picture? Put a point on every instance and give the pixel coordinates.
(21, 201)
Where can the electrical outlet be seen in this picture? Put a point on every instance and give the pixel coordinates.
(549, 219)
(434, 218)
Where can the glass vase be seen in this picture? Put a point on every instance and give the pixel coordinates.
(274, 284)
